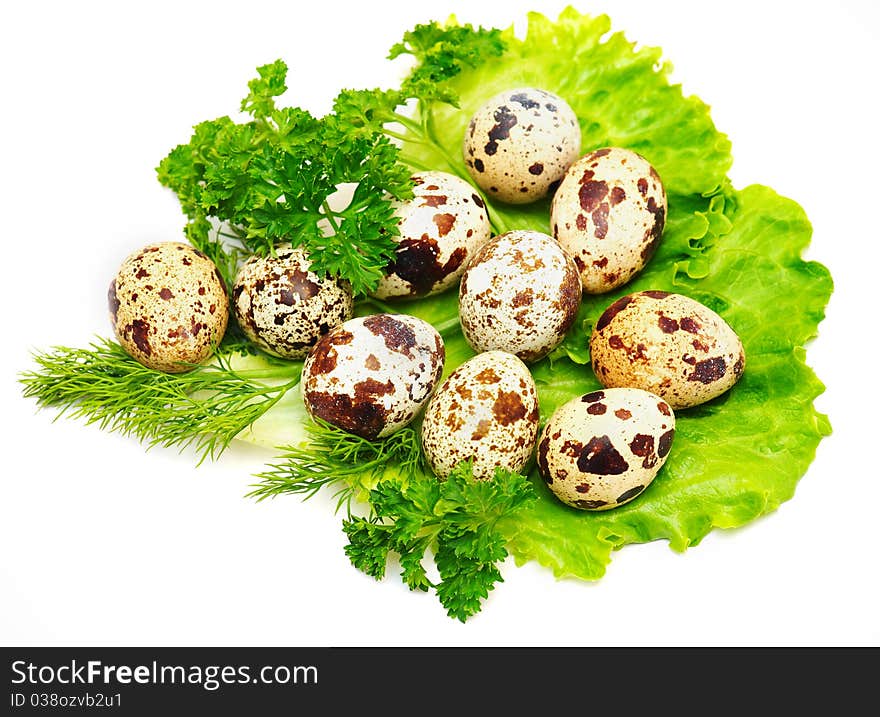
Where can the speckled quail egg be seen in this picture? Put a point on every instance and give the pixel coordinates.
(519, 144)
(609, 213)
(441, 227)
(601, 450)
(485, 411)
(669, 344)
(283, 306)
(520, 294)
(372, 374)
(169, 306)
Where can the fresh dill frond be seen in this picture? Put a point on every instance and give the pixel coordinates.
(342, 460)
(206, 407)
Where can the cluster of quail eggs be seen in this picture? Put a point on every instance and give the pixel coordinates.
(519, 292)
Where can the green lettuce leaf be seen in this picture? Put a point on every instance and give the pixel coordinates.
(734, 458)
(739, 252)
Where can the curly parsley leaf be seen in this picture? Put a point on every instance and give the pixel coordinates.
(441, 53)
(270, 180)
(461, 519)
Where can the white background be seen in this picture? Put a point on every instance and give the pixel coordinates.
(102, 543)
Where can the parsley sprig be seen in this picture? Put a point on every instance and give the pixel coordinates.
(270, 179)
(459, 520)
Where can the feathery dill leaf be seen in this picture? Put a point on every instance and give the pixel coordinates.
(206, 407)
(336, 458)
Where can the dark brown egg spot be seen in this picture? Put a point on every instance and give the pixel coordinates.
(628, 495)
(141, 273)
(699, 345)
(508, 408)
(709, 370)
(594, 396)
(590, 504)
(364, 390)
(616, 342)
(596, 409)
(434, 200)
(659, 218)
(738, 366)
(591, 193)
(587, 176)
(581, 222)
(398, 336)
(665, 443)
(504, 120)
(140, 331)
(572, 449)
(300, 286)
(642, 445)
(623, 414)
(543, 466)
(602, 458)
(363, 418)
(663, 407)
(478, 165)
(478, 200)
(690, 325)
(536, 169)
(597, 153)
(642, 184)
(655, 294)
(612, 311)
(323, 356)
(617, 195)
(416, 262)
(667, 325)
(582, 488)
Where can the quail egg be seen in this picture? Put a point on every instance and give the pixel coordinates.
(519, 144)
(372, 374)
(669, 344)
(520, 294)
(486, 411)
(169, 306)
(601, 450)
(283, 306)
(441, 227)
(609, 213)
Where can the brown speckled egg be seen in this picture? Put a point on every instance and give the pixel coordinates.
(668, 344)
(609, 213)
(520, 294)
(486, 411)
(519, 144)
(284, 307)
(371, 375)
(169, 306)
(601, 450)
(440, 229)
